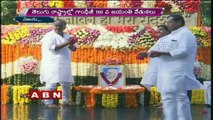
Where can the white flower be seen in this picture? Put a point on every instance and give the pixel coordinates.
(113, 4)
(80, 4)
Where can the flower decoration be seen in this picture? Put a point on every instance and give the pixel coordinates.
(207, 30)
(69, 4)
(80, 4)
(197, 68)
(132, 41)
(56, 4)
(85, 35)
(146, 37)
(166, 5)
(189, 6)
(152, 32)
(125, 3)
(202, 34)
(28, 64)
(31, 4)
(112, 61)
(148, 4)
(113, 4)
(89, 3)
(13, 36)
(120, 29)
(136, 3)
(99, 4)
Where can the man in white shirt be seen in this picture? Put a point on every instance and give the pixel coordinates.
(150, 77)
(56, 61)
(176, 70)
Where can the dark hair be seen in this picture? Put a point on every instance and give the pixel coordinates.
(165, 28)
(178, 17)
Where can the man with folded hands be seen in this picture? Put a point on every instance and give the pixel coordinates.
(56, 61)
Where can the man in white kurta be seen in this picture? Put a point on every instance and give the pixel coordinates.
(176, 71)
(56, 61)
(150, 77)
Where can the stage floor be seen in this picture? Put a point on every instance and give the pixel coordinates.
(39, 112)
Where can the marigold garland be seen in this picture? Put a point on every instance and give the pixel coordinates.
(4, 94)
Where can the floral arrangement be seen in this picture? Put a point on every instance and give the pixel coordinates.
(112, 61)
(166, 5)
(13, 35)
(4, 92)
(207, 30)
(116, 37)
(31, 4)
(110, 100)
(24, 34)
(131, 3)
(198, 96)
(154, 96)
(28, 64)
(18, 91)
(36, 35)
(197, 68)
(55, 3)
(189, 6)
(69, 4)
(203, 35)
(113, 4)
(120, 29)
(85, 35)
(145, 37)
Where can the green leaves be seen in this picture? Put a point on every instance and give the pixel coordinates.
(8, 12)
(206, 13)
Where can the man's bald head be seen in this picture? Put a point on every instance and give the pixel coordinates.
(60, 26)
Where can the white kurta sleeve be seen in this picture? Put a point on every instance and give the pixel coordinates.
(184, 45)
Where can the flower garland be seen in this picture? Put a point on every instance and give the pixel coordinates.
(112, 61)
(203, 35)
(197, 97)
(4, 94)
(56, 4)
(110, 100)
(166, 5)
(121, 29)
(85, 35)
(69, 3)
(131, 3)
(18, 91)
(189, 6)
(28, 65)
(110, 83)
(13, 36)
(145, 37)
(115, 37)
